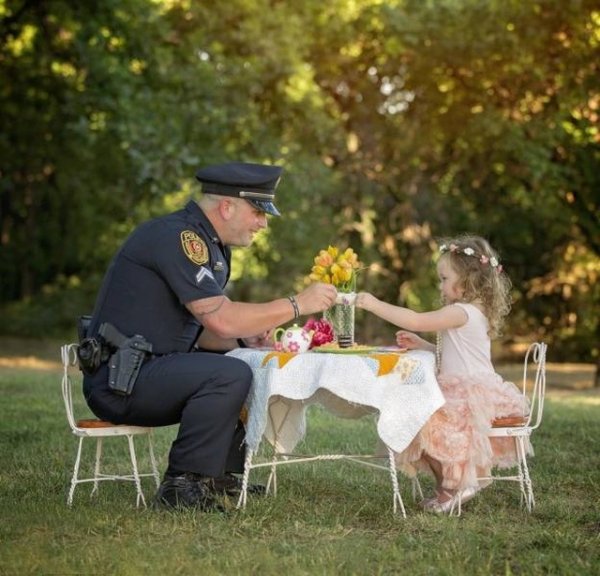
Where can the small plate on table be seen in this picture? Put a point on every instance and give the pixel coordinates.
(358, 349)
(354, 349)
(390, 350)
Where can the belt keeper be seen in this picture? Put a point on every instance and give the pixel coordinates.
(292, 299)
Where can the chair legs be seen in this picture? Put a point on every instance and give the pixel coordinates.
(397, 498)
(272, 480)
(417, 491)
(97, 464)
(527, 497)
(75, 477)
(155, 474)
(521, 475)
(136, 475)
(99, 476)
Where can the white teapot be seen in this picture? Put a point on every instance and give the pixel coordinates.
(293, 339)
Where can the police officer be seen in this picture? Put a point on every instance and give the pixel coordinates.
(166, 284)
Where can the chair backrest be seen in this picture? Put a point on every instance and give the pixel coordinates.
(534, 382)
(69, 358)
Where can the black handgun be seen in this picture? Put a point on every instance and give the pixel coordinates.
(124, 365)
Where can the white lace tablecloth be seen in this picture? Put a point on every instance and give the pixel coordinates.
(401, 388)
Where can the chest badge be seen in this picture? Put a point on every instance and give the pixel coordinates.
(194, 247)
(218, 267)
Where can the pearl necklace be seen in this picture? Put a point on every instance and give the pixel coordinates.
(438, 352)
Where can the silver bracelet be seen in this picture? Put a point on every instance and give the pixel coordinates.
(292, 299)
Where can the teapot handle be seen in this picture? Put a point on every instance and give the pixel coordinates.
(277, 334)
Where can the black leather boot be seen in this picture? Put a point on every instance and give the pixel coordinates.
(232, 485)
(187, 490)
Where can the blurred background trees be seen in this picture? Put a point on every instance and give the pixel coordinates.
(397, 122)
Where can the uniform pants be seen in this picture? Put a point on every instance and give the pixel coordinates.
(203, 392)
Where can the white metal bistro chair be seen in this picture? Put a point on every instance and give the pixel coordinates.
(99, 429)
(520, 428)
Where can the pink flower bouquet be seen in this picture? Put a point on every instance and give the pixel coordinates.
(323, 331)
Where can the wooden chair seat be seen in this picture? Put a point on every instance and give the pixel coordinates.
(94, 423)
(509, 421)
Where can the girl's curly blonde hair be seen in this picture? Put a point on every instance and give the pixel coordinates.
(481, 276)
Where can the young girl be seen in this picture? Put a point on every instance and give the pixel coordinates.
(454, 445)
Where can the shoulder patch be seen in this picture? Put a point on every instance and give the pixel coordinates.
(194, 247)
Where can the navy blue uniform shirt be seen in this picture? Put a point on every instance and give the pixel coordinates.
(164, 264)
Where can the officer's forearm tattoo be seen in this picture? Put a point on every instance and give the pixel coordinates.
(214, 309)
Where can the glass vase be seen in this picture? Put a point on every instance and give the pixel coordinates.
(341, 318)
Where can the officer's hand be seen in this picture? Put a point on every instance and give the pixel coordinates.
(316, 298)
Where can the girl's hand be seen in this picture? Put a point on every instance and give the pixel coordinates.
(410, 341)
(365, 300)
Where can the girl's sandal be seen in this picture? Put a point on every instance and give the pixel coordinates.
(454, 503)
(427, 502)
(434, 504)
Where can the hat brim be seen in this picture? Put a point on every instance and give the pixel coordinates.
(263, 206)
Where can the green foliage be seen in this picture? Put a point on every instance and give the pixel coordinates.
(396, 122)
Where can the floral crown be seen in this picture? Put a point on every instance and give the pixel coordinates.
(468, 251)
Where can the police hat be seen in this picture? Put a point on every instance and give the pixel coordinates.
(255, 183)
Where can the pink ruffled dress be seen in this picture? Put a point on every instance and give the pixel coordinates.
(456, 435)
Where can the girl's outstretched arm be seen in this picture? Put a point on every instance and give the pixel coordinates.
(442, 319)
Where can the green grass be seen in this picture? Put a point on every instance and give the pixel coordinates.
(327, 518)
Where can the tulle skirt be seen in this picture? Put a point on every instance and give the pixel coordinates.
(456, 435)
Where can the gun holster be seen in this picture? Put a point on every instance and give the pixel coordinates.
(126, 361)
(125, 355)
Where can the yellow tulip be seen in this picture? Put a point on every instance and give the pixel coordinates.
(351, 257)
(324, 259)
(334, 267)
(345, 274)
(333, 251)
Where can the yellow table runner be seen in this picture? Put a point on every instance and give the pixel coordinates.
(282, 357)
